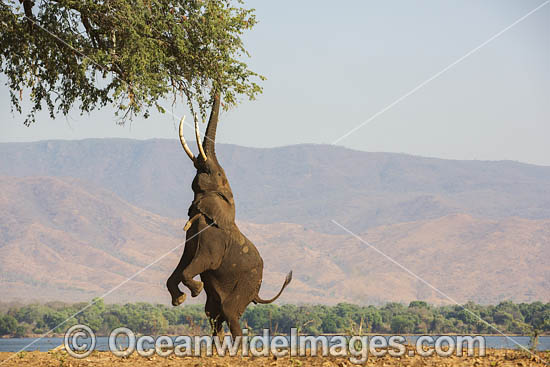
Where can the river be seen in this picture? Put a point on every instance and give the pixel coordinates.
(46, 344)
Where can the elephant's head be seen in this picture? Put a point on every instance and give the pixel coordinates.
(213, 195)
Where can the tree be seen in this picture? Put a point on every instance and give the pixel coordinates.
(53, 319)
(418, 304)
(403, 324)
(93, 314)
(8, 325)
(124, 52)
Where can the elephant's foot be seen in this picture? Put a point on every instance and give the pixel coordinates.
(196, 291)
(178, 300)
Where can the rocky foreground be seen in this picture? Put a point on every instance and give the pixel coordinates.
(60, 358)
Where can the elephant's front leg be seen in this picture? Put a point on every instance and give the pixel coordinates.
(208, 255)
(197, 266)
(210, 250)
(178, 297)
(186, 277)
(174, 280)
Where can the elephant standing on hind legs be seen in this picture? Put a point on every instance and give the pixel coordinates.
(229, 265)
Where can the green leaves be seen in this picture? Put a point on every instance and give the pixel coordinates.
(309, 319)
(127, 53)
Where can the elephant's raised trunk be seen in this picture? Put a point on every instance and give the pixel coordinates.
(209, 142)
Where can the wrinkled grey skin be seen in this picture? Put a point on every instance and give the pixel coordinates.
(229, 264)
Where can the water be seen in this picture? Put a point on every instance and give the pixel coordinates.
(46, 344)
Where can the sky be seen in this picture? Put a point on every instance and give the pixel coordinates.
(413, 69)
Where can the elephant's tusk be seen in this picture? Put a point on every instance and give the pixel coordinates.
(198, 136)
(190, 222)
(184, 143)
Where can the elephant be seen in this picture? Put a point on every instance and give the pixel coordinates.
(229, 265)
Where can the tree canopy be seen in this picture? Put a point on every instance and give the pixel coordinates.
(418, 318)
(125, 53)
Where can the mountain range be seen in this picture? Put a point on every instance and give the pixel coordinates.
(304, 184)
(80, 217)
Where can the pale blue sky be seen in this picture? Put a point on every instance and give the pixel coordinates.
(330, 66)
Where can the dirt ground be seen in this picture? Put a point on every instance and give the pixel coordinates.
(493, 358)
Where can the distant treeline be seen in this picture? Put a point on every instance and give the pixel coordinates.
(418, 317)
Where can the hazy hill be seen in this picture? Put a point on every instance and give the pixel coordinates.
(303, 184)
(59, 240)
(64, 239)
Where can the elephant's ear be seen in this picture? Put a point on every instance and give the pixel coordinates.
(218, 208)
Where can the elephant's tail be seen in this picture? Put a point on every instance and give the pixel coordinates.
(257, 299)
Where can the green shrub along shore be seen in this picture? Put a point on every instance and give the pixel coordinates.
(416, 318)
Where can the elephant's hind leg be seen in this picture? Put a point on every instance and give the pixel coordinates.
(234, 326)
(217, 325)
(235, 304)
(213, 310)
